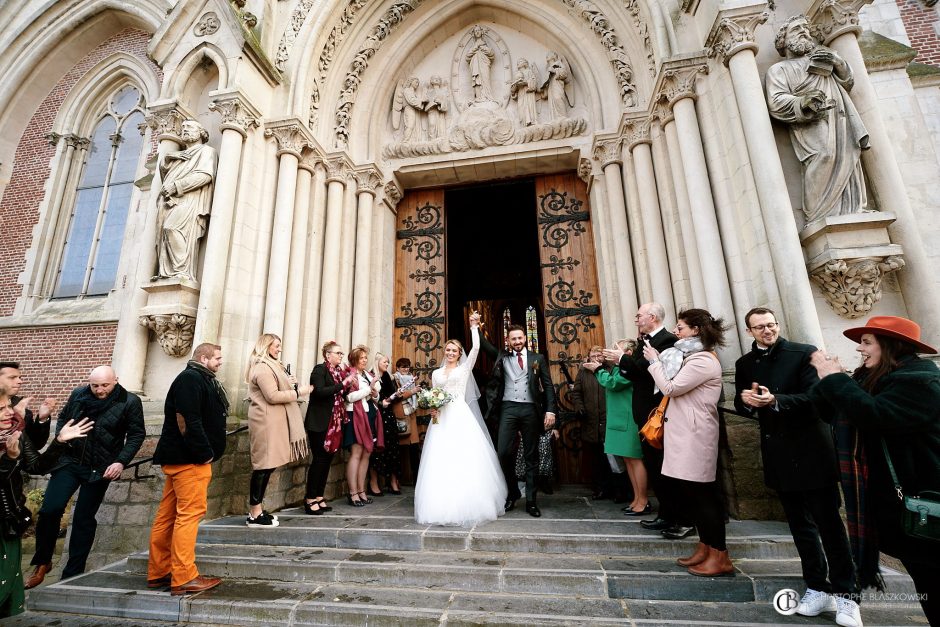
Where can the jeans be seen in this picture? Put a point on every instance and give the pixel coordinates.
(63, 484)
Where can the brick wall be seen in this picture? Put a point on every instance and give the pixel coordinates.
(19, 208)
(54, 360)
(921, 25)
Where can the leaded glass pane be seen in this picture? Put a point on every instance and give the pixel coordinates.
(125, 100)
(99, 154)
(110, 239)
(125, 166)
(78, 243)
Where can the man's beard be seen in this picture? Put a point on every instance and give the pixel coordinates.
(801, 46)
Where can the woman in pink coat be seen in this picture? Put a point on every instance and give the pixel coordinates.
(690, 375)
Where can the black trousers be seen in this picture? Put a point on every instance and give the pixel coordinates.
(258, 485)
(319, 469)
(519, 417)
(702, 504)
(821, 539)
(62, 485)
(667, 492)
(927, 583)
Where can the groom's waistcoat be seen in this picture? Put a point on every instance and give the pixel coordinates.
(515, 382)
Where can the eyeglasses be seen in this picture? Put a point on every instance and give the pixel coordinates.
(770, 326)
(337, 353)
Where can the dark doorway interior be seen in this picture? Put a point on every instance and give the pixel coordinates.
(492, 258)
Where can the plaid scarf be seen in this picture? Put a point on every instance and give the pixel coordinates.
(853, 475)
(334, 431)
(18, 423)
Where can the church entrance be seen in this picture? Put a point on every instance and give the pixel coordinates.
(519, 252)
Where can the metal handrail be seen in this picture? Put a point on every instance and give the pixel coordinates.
(136, 464)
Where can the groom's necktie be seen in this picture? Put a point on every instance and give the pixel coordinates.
(519, 360)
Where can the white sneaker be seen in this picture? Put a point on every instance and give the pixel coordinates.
(815, 602)
(848, 614)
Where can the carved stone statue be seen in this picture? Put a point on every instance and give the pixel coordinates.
(555, 87)
(185, 202)
(436, 107)
(524, 89)
(480, 57)
(809, 92)
(407, 110)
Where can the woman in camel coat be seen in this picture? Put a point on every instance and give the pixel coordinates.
(275, 423)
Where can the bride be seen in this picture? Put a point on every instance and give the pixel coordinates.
(459, 479)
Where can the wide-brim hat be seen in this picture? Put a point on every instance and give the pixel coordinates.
(891, 326)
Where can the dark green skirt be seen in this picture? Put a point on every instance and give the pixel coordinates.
(12, 595)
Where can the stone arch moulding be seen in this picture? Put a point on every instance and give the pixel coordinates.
(175, 81)
(61, 24)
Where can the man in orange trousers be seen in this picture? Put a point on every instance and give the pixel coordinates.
(193, 437)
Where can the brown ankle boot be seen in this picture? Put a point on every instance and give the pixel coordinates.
(701, 552)
(717, 564)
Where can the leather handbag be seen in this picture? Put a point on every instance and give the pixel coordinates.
(652, 431)
(16, 518)
(920, 515)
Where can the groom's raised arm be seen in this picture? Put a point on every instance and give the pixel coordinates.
(488, 348)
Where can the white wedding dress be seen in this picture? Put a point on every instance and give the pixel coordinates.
(460, 482)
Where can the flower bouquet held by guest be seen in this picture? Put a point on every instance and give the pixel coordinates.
(362, 431)
(690, 376)
(890, 404)
(275, 424)
(460, 481)
(17, 454)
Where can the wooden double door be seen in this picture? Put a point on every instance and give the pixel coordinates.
(434, 293)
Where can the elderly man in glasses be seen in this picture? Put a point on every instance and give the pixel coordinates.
(771, 385)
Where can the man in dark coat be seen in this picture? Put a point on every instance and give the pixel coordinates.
(589, 400)
(193, 437)
(521, 395)
(89, 465)
(771, 385)
(650, 317)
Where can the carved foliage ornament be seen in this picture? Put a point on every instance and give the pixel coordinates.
(290, 138)
(679, 83)
(166, 123)
(584, 169)
(607, 152)
(833, 18)
(208, 24)
(853, 286)
(174, 332)
(637, 132)
(234, 115)
(392, 194)
(732, 34)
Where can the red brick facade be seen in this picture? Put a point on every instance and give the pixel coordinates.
(921, 24)
(31, 167)
(56, 359)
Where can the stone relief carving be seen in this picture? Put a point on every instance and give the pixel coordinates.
(174, 332)
(208, 24)
(643, 31)
(185, 201)
(494, 106)
(585, 169)
(809, 92)
(852, 287)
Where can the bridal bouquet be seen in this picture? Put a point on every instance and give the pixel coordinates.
(433, 398)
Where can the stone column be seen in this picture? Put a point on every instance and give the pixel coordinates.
(605, 260)
(238, 117)
(367, 184)
(637, 133)
(347, 269)
(608, 154)
(641, 266)
(293, 312)
(679, 88)
(836, 24)
(132, 339)
(732, 40)
(382, 263)
(291, 141)
(310, 348)
(386, 313)
(336, 171)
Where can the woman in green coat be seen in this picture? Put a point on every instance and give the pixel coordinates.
(621, 437)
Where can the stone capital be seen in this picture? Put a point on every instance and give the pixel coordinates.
(290, 134)
(75, 141)
(733, 31)
(174, 332)
(636, 131)
(831, 18)
(677, 80)
(607, 151)
(166, 119)
(853, 286)
(309, 160)
(662, 111)
(368, 180)
(236, 111)
(337, 169)
(392, 193)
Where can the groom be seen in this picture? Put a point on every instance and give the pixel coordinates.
(521, 396)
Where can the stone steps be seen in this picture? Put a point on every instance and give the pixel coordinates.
(583, 562)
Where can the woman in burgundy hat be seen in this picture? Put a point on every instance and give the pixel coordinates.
(893, 397)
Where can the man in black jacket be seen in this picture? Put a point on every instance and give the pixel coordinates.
(37, 426)
(193, 437)
(520, 394)
(771, 385)
(89, 465)
(649, 319)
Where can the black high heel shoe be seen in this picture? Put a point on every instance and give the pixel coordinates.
(324, 506)
(308, 508)
(379, 493)
(366, 500)
(356, 503)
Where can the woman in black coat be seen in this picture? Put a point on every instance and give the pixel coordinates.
(326, 406)
(17, 454)
(387, 462)
(893, 401)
